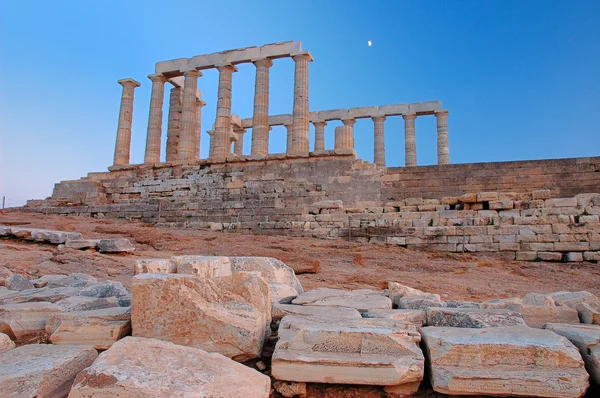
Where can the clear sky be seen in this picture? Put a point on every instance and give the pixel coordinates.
(521, 79)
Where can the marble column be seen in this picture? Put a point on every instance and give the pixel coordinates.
(443, 152)
(211, 134)
(153, 138)
(379, 142)
(174, 123)
(339, 137)
(123, 143)
(238, 146)
(290, 138)
(198, 128)
(410, 149)
(260, 119)
(348, 133)
(320, 135)
(189, 113)
(301, 112)
(223, 120)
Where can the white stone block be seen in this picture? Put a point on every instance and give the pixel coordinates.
(280, 50)
(335, 114)
(242, 55)
(363, 112)
(427, 107)
(280, 120)
(393, 110)
(171, 66)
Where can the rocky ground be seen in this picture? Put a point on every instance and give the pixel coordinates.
(340, 264)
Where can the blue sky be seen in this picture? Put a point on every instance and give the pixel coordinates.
(521, 79)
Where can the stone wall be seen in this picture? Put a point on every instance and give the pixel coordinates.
(337, 196)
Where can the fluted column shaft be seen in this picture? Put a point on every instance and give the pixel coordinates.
(211, 150)
(238, 146)
(153, 138)
(320, 135)
(339, 138)
(290, 138)
(223, 120)
(301, 112)
(410, 148)
(379, 141)
(123, 142)
(173, 123)
(189, 115)
(348, 134)
(198, 128)
(260, 118)
(443, 152)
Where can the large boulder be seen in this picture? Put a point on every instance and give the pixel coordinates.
(271, 269)
(537, 316)
(230, 315)
(504, 361)
(363, 299)
(587, 339)
(372, 351)
(26, 322)
(116, 245)
(149, 368)
(5, 343)
(473, 317)
(98, 328)
(42, 370)
(154, 266)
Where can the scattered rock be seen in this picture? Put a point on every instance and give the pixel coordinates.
(205, 266)
(503, 361)
(372, 351)
(539, 299)
(461, 304)
(42, 370)
(417, 317)
(118, 245)
(290, 389)
(397, 291)
(137, 367)
(108, 289)
(81, 244)
(18, 282)
(473, 317)
(26, 322)
(47, 294)
(230, 315)
(588, 313)
(362, 299)
(538, 316)
(6, 294)
(512, 303)
(271, 269)
(80, 303)
(154, 266)
(280, 310)
(97, 328)
(5, 343)
(571, 299)
(73, 280)
(282, 293)
(420, 302)
(5, 272)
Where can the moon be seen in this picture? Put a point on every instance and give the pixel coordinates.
(369, 43)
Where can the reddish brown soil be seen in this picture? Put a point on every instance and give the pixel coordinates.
(342, 264)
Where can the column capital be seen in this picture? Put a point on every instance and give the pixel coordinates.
(158, 78)
(442, 114)
(239, 130)
(378, 118)
(320, 123)
(267, 62)
(200, 102)
(305, 55)
(225, 67)
(128, 82)
(192, 73)
(409, 116)
(348, 122)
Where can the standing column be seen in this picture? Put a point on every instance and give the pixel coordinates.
(211, 149)
(443, 152)
(260, 119)
(410, 149)
(188, 116)
(379, 143)
(198, 127)
(223, 120)
(238, 146)
(348, 135)
(153, 138)
(339, 137)
(174, 123)
(301, 113)
(290, 138)
(320, 135)
(123, 143)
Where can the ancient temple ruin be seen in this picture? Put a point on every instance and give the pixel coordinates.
(185, 110)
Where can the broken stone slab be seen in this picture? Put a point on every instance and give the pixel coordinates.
(571, 299)
(505, 361)
(72, 280)
(117, 245)
(539, 299)
(587, 339)
(230, 315)
(282, 293)
(54, 237)
(80, 303)
(373, 351)
(5, 343)
(18, 282)
(81, 244)
(361, 299)
(6, 294)
(154, 266)
(473, 318)
(417, 317)
(205, 266)
(588, 313)
(97, 328)
(26, 322)
(139, 367)
(280, 310)
(513, 303)
(420, 302)
(271, 269)
(537, 316)
(42, 370)
(108, 289)
(47, 294)
(398, 290)
(461, 304)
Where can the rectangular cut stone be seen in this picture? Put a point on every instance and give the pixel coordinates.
(280, 50)
(417, 317)
(504, 361)
(336, 114)
(537, 316)
(571, 299)
(281, 310)
(25, 322)
(280, 120)
(363, 112)
(242, 55)
(426, 107)
(473, 317)
(357, 351)
(171, 66)
(393, 110)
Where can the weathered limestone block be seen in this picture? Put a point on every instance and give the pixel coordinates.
(539, 299)
(81, 244)
(205, 266)
(589, 312)
(154, 266)
(282, 293)
(512, 303)
(505, 361)
(358, 351)
(108, 289)
(5, 343)
(397, 291)
(117, 245)
(80, 303)
(97, 328)
(148, 368)
(47, 294)
(72, 280)
(230, 315)
(421, 302)
(280, 310)
(587, 339)
(362, 299)
(571, 299)
(18, 282)
(25, 322)
(271, 269)
(473, 317)
(42, 370)
(538, 316)
(417, 317)
(461, 304)
(6, 294)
